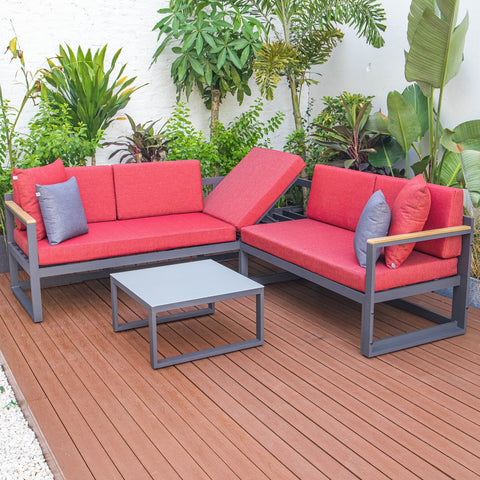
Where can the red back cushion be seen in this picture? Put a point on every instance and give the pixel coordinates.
(95, 184)
(24, 192)
(446, 210)
(157, 188)
(253, 186)
(338, 195)
(409, 214)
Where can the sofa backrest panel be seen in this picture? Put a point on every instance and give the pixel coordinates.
(446, 210)
(157, 188)
(95, 184)
(253, 186)
(338, 195)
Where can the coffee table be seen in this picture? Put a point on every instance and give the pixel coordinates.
(182, 285)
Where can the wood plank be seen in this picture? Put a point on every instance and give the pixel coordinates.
(28, 337)
(304, 405)
(199, 446)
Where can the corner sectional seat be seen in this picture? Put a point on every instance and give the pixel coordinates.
(137, 214)
(320, 248)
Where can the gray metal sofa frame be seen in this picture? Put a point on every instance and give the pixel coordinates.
(446, 326)
(43, 276)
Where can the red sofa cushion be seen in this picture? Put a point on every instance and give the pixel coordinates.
(24, 193)
(95, 184)
(338, 195)
(253, 186)
(157, 188)
(409, 214)
(446, 210)
(139, 235)
(327, 250)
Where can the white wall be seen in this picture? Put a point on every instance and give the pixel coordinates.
(358, 68)
(355, 67)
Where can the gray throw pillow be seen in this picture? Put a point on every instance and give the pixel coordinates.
(62, 210)
(374, 222)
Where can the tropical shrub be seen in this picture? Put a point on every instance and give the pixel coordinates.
(215, 44)
(51, 135)
(434, 58)
(302, 34)
(224, 150)
(186, 142)
(143, 145)
(235, 140)
(93, 92)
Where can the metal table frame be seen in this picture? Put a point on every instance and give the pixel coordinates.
(249, 287)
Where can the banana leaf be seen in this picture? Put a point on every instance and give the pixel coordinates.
(419, 102)
(450, 171)
(466, 136)
(387, 153)
(403, 122)
(436, 44)
(470, 160)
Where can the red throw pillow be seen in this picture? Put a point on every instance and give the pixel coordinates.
(409, 214)
(24, 181)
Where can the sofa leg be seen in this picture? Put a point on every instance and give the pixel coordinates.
(36, 292)
(368, 316)
(33, 306)
(243, 263)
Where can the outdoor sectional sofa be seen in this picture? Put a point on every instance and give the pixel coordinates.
(135, 214)
(322, 248)
(144, 213)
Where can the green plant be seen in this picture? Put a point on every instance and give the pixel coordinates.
(219, 155)
(215, 44)
(185, 141)
(143, 145)
(334, 111)
(9, 117)
(93, 93)
(475, 265)
(51, 136)
(318, 139)
(302, 34)
(435, 56)
(352, 142)
(235, 140)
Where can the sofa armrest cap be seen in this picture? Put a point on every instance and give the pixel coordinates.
(19, 212)
(420, 236)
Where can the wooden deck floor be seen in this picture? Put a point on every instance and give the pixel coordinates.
(306, 405)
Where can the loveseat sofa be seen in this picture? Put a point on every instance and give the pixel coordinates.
(351, 218)
(97, 218)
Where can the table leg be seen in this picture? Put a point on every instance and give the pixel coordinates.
(113, 289)
(260, 316)
(152, 328)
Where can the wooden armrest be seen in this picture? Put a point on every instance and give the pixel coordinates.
(19, 212)
(418, 236)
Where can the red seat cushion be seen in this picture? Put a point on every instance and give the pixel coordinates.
(409, 214)
(327, 250)
(139, 235)
(95, 184)
(338, 195)
(253, 186)
(158, 188)
(24, 193)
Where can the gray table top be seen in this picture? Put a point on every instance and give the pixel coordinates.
(184, 282)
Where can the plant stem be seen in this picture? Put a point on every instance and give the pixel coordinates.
(431, 133)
